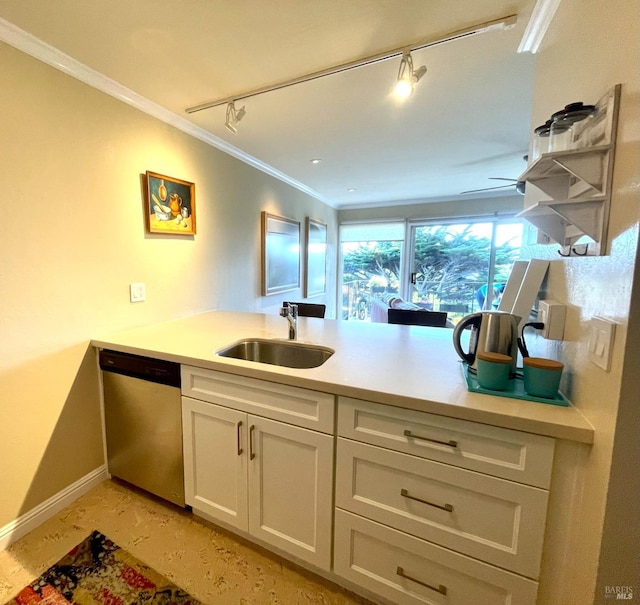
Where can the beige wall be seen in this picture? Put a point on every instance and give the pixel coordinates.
(590, 47)
(72, 239)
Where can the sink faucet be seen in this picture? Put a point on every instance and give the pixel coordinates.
(291, 313)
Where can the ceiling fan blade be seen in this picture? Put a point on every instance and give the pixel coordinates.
(486, 189)
(498, 178)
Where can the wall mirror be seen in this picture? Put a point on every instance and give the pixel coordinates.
(316, 258)
(280, 254)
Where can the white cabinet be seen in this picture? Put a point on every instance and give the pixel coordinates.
(428, 509)
(428, 505)
(268, 478)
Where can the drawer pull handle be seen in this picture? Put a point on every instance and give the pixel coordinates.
(239, 437)
(252, 454)
(451, 443)
(405, 494)
(441, 589)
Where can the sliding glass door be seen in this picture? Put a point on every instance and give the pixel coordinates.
(452, 264)
(449, 265)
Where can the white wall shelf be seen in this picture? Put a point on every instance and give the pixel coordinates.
(573, 188)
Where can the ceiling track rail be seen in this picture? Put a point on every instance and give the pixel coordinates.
(497, 24)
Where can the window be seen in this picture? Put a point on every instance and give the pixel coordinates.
(449, 264)
(453, 263)
(371, 264)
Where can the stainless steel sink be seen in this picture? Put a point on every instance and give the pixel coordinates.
(289, 354)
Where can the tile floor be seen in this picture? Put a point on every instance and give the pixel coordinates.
(209, 563)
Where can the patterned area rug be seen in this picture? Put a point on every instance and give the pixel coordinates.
(97, 571)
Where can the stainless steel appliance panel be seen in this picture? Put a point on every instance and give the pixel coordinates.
(143, 428)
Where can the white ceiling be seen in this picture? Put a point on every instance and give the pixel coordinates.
(468, 119)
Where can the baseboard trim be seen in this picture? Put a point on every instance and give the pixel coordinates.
(27, 522)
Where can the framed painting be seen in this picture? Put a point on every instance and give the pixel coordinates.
(316, 258)
(170, 205)
(280, 254)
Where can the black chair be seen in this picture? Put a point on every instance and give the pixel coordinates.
(308, 309)
(436, 319)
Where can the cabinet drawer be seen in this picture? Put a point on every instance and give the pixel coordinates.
(380, 559)
(488, 518)
(505, 453)
(301, 407)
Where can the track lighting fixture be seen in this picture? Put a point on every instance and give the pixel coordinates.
(233, 117)
(407, 77)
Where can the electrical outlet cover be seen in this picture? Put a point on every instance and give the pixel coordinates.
(552, 314)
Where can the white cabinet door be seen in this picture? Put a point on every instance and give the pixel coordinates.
(267, 478)
(291, 486)
(215, 459)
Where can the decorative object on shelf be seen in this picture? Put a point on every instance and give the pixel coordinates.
(571, 191)
(170, 205)
(315, 268)
(540, 140)
(561, 132)
(280, 254)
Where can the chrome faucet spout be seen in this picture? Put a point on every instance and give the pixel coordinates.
(291, 313)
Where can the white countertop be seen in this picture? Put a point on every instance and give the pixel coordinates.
(412, 367)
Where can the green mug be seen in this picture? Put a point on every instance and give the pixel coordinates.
(492, 371)
(542, 376)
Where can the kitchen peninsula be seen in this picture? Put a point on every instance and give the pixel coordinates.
(412, 367)
(377, 469)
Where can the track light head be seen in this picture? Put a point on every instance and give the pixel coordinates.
(233, 117)
(407, 76)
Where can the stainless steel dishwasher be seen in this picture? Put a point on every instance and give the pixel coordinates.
(143, 421)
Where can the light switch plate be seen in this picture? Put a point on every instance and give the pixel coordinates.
(137, 292)
(601, 336)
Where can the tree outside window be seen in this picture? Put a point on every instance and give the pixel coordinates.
(450, 264)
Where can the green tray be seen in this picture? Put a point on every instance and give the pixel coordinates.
(515, 389)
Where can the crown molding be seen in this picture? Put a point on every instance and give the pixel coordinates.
(539, 22)
(29, 44)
